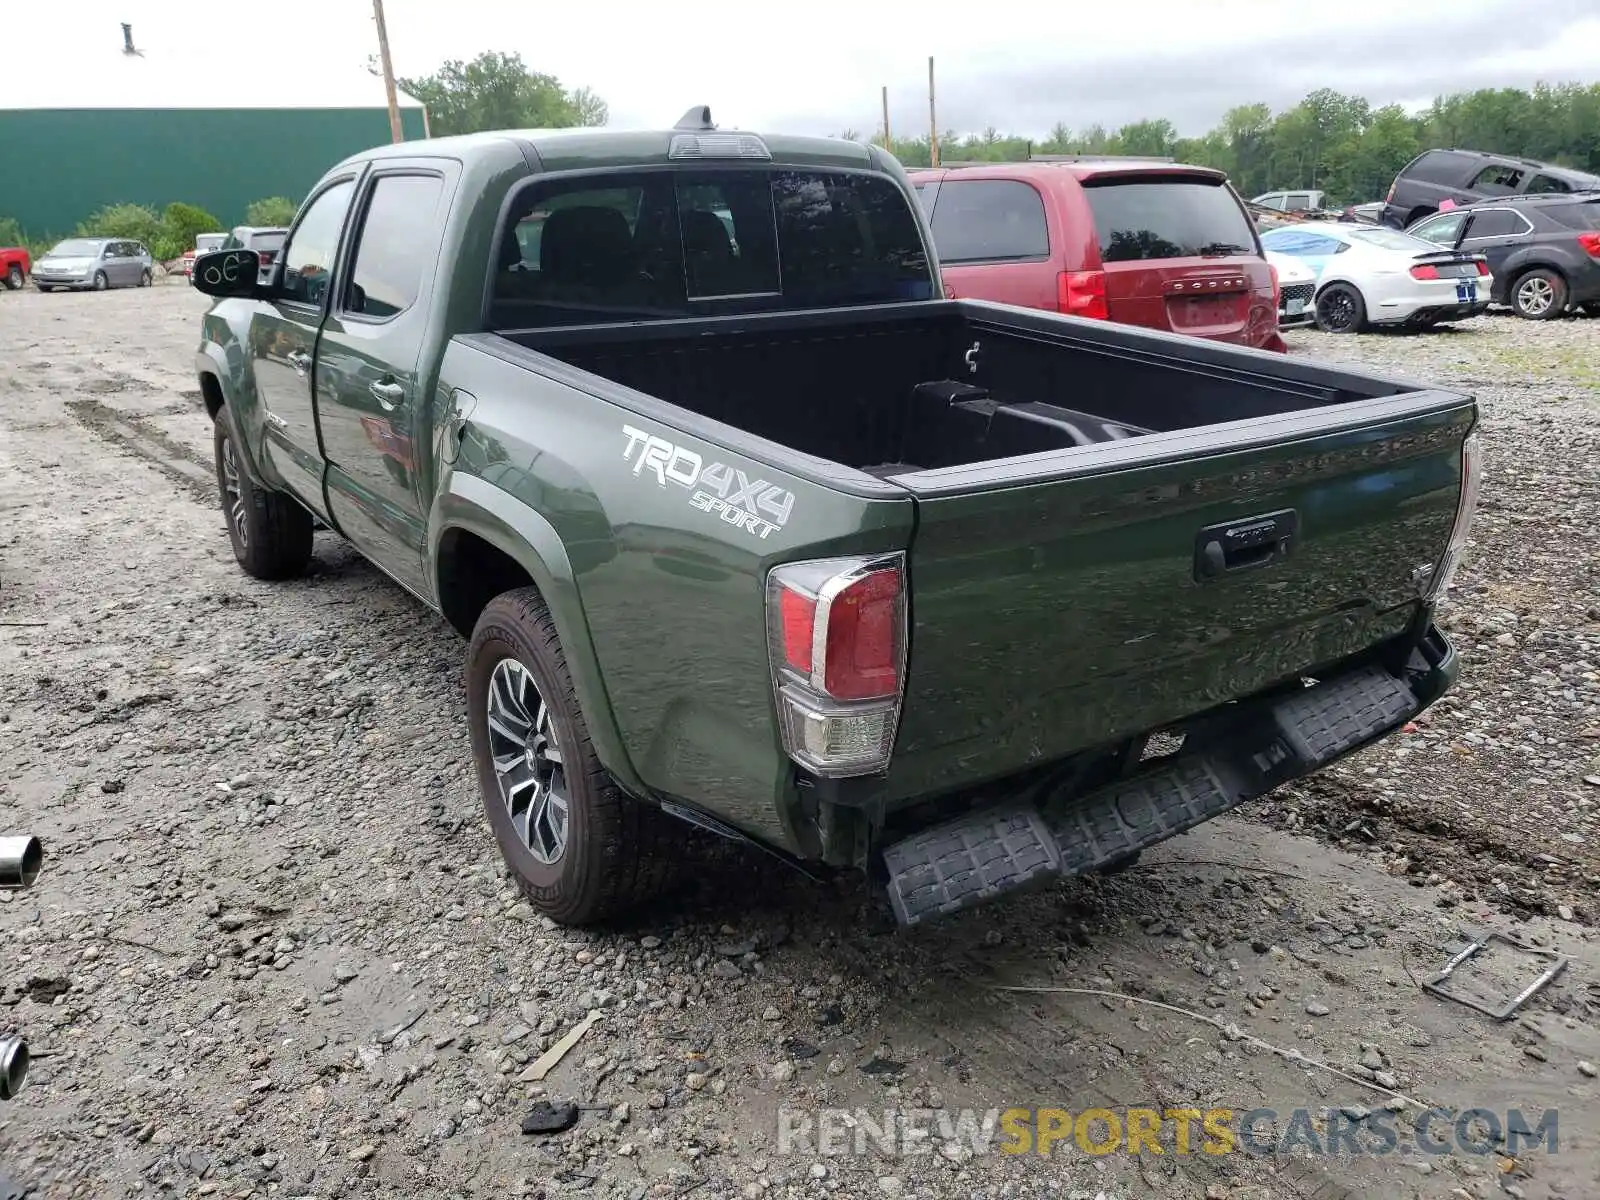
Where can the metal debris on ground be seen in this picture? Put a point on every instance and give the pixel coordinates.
(1483, 952)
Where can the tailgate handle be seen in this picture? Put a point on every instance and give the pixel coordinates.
(1247, 544)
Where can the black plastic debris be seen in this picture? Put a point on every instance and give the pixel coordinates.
(546, 1118)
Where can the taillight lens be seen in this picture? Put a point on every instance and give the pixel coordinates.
(1389, 196)
(1082, 294)
(1466, 509)
(1424, 271)
(1483, 266)
(1590, 243)
(836, 630)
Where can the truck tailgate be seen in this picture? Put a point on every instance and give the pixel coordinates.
(1064, 601)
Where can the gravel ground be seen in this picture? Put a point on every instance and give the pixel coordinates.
(273, 951)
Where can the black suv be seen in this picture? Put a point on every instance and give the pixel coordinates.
(1466, 176)
(1544, 250)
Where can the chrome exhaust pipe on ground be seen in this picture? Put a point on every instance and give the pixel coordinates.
(13, 1066)
(20, 860)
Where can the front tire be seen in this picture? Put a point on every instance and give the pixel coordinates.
(270, 533)
(580, 850)
(14, 279)
(101, 283)
(145, 279)
(1340, 309)
(1539, 295)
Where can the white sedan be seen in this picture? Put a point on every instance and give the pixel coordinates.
(1297, 284)
(1371, 276)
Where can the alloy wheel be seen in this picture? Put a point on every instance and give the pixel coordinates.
(1535, 295)
(528, 762)
(234, 492)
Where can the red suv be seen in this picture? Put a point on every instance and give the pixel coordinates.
(1146, 243)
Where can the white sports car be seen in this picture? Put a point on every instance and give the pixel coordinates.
(1368, 275)
(1297, 284)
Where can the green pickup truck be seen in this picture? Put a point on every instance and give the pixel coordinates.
(750, 528)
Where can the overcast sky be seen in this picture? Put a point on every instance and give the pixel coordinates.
(817, 66)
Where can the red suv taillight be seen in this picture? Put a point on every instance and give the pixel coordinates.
(1590, 243)
(836, 633)
(1483, 266)
(1082, 294)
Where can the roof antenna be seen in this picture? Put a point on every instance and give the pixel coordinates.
(127, 41)
(697, 119)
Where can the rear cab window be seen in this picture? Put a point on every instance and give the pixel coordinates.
(698, 242)
(989, 220)
(1146, 218)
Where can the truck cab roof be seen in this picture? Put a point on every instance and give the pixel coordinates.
(592, 148)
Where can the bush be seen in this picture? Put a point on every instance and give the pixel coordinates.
(135, 221)
(167, 235)
(11, 233)
(274, 210)
(179, 225)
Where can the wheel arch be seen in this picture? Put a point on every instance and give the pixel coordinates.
(482, 542)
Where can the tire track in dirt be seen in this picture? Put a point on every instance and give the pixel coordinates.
(155, 447)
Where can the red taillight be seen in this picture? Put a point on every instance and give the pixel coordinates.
(1590, 243)
(863, 632)
(1389, 195)
(1082, 294)
(1425, 271)
(798, 614)
(1483, 267)
(837, 630)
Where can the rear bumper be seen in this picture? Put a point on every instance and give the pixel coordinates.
(1440, 312)
(1236, 756)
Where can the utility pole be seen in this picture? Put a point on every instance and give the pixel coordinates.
(396, 132)
(888, 139)
(933, 121)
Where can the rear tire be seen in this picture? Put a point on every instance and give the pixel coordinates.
(1340, 309)
(1539, 295)
(580, 850)
(270, 533)
(14, 278)
(145, 279)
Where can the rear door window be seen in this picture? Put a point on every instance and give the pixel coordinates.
(1545, 184)
(1581, 216)
(697, 242)
(1442, 230)
(1497, 223)
(989, 220)
(1166, 218)
(387, 272)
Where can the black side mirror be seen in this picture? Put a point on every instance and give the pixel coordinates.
(228, 273)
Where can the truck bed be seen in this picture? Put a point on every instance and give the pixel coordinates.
(1114, 530)
(901, 389)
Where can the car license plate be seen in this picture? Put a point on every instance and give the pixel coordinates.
(1294, 308)
(1466, 293)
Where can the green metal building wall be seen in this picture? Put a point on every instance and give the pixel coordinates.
(63, 164)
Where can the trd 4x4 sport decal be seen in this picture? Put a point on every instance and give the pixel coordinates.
(755, 505)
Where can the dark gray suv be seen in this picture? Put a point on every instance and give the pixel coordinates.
(1544, 251)
(1467, 176)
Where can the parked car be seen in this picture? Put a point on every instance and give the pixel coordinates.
(1156, 244)
(786, 546)
(1463, 176)
(1368, 275)
(203, 244)
(1370, 213)
(1544, 250)
(264, 240)
(15, 266)
(1297, 285)
(78, 264)
(1307, 200)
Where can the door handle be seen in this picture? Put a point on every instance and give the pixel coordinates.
(1245, 545)
(388, 395)
(299, 360)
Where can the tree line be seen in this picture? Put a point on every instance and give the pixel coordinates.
(1338, 143)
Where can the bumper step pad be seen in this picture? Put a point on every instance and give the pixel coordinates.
(991, 852)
